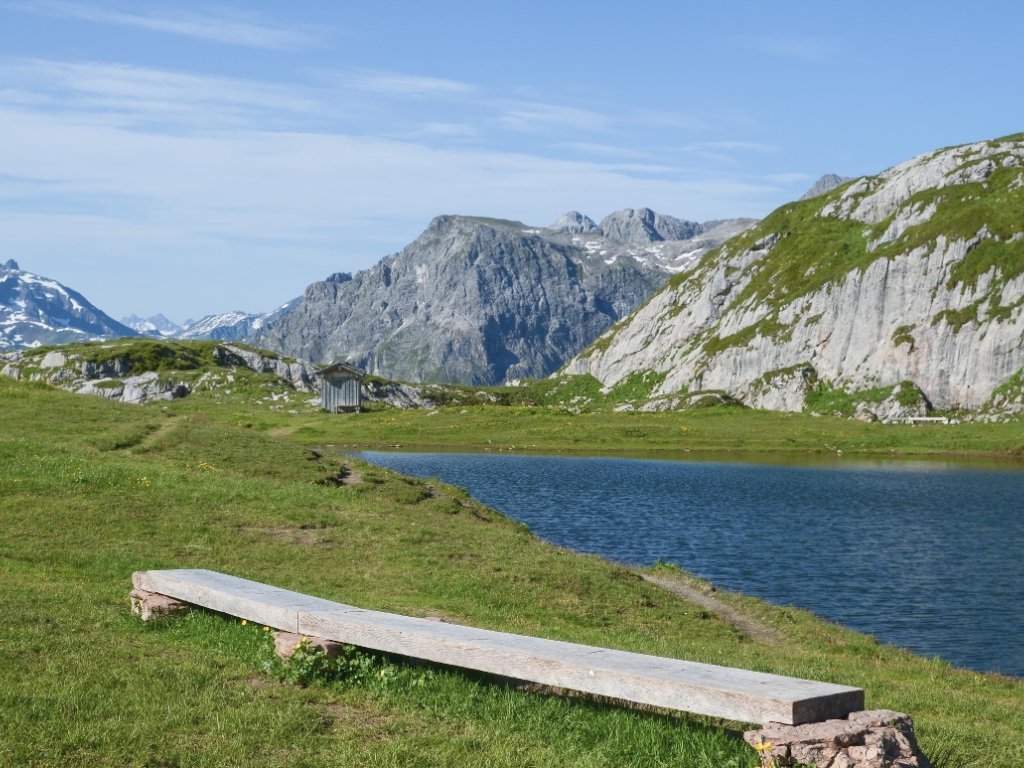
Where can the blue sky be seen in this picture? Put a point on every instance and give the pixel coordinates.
(190, 158)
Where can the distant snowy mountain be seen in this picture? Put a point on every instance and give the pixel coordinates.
(157, 325)
(231, 326)
(226, 326)
(36, 310)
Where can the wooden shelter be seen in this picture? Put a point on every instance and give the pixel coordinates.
(341, 388)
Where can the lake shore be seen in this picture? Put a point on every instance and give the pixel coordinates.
(717, 431)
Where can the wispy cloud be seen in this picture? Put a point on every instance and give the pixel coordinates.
(222, 27)
(788, 47)
(115, 93)
(136, 168)
(607, 150)
(404, 85)
(536, 115)
(788, 178)
(724, 152)
(451, 130)
(748, 146)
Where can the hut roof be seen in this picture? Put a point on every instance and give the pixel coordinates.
(342, 368)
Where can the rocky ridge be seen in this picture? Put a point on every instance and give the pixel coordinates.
(480, 301)
(890, 295)
(223, 326)
(645, 226)
(126, 372)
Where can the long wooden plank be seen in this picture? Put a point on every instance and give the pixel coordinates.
(708, 689)
(259, 603)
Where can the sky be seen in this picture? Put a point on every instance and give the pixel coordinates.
(191, 158)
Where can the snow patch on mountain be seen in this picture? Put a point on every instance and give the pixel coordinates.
(37, 310)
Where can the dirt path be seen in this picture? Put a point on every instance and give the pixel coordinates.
(727, 613)
(151, 438)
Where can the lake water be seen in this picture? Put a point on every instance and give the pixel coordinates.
(926, 556)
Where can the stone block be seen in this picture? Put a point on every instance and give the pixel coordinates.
(286, 643)
(151, 605)
(869, 739)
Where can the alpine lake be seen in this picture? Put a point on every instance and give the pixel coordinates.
(928, 555)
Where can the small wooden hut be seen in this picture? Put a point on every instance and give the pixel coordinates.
(341, 390)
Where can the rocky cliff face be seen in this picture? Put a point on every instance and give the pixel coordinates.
(37, 310)
(905, 288)
(477, 301)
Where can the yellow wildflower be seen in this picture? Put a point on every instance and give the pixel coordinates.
(763, 746)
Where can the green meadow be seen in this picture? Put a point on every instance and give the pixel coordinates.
(91, 491)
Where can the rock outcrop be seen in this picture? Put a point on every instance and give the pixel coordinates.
(395, 393)
(642, 225)
(913, 276)
(124, 371)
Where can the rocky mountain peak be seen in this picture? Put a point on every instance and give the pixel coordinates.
(448, 223)
(575, 223)
(826, 183)
(11, 265)
(642, 225)
(472, 300)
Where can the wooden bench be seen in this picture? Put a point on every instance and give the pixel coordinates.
(706, 689)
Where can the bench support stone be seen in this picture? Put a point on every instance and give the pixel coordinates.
(878, 738)
(287, 643)
(152, 605)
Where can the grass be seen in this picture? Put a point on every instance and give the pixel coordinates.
(92, 491)
(720, 429)
(836, 401)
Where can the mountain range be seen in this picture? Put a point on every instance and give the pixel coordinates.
(472, 300)
(480, 301)
(893, 294)
(888, 295)
(224, 326)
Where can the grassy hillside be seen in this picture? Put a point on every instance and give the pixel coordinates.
(570, 414)
(92, 490)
